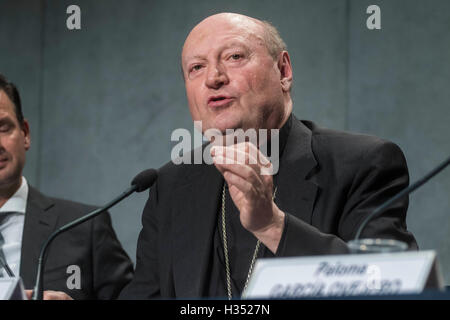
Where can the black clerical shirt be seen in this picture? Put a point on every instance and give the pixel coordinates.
(241, 243)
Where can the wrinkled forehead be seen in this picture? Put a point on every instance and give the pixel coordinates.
(223, 29)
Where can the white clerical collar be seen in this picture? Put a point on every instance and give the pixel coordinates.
(18, 201)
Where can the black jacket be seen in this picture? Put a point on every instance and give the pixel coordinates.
(105, 268)
(328, 182)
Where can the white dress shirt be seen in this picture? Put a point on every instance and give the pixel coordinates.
(11, 227)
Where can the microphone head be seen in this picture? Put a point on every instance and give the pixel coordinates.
(144, 180)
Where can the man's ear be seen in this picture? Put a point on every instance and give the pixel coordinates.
(284, 65)
(26, 133)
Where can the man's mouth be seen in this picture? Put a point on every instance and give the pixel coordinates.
(3, 162)
(219, 101)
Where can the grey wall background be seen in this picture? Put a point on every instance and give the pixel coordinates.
(103, 101)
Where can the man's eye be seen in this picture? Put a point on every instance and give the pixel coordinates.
(4, 128)
(196, 67)
(236, 56)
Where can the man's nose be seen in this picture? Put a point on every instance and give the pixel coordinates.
(216, 77)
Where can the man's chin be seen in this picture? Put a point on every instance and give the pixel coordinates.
(227, 124)
(8, 179)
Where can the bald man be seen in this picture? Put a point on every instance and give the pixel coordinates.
(205, 225)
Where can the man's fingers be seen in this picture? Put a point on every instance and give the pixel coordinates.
(244, 171)
(243, 153)
(29, 294)
(56, 295)
(50, 295)
(243, 185)
(236, 195)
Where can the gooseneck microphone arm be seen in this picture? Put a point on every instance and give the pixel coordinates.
(141, 182)
(401, 194)
(38, 292)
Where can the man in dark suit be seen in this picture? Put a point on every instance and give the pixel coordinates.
(204, 225)
(86, 262)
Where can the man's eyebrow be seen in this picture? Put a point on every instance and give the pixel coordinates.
(234, 44)
(221, 48)
(197, 56)
(5, 119)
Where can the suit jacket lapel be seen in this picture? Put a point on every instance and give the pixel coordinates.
(39, 223)
(195, 217)
(296, 193)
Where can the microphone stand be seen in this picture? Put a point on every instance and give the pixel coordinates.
(401, 194)
(38, 289)
(398, 196)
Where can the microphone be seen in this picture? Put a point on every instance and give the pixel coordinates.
(141, 182)
(144, 180)
(398, 196)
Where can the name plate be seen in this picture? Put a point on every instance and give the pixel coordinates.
(344, 275)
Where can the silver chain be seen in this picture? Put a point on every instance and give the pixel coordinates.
(225, 249)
